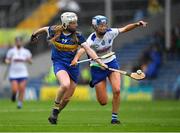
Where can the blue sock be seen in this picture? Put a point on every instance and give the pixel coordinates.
(114, 116)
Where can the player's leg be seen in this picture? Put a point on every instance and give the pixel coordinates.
(101, 92)
(22, 86)
(67, 95)
(98, 81)
(114, 79)
(64, 81)
(14, 87)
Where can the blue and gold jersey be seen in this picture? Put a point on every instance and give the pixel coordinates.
(63, 48)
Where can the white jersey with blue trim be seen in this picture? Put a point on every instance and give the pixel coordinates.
(103, 45)
(18, 57)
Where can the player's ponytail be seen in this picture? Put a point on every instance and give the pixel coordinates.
(58, 29)
(75, 38)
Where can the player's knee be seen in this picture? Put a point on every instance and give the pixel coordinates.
(65, 86)
(116, 92)
(22, 91)
(103, 102)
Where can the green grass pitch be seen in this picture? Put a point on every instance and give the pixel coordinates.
(91, 117)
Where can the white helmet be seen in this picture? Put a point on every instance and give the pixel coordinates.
(68, 17)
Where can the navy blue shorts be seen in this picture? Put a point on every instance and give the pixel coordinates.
(19, 80)
(73, 71)
(98, 74)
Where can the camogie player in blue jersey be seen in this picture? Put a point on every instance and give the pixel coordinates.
(65, 41)
(101, 41)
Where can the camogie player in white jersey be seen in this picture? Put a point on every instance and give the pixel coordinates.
(101, 41)
(16, 58)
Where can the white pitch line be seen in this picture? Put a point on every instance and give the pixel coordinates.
(85, 109)
(63, 124)
(89, 132)
(46, 110)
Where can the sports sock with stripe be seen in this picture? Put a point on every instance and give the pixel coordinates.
(114, 116)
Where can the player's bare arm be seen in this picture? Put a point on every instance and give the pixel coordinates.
(132, 26)
(78, 55)
(37, 32)
(93, 54)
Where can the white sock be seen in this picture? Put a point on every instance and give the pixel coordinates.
(19, 103)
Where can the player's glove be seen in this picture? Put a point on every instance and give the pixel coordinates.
(34, 38)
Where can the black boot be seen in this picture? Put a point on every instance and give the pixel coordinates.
(115, 121)
(53, 117)
(13, 97)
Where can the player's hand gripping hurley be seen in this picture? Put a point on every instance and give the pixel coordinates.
(102, 57)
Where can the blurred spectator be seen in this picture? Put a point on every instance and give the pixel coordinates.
(178, 46)
(177, 34)
(151, 61)
(154, 7)
(155, 55)
(69, 5)
(177, 29)
(139, 15)
(172, 49)
(159, 39)
(177, 88)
